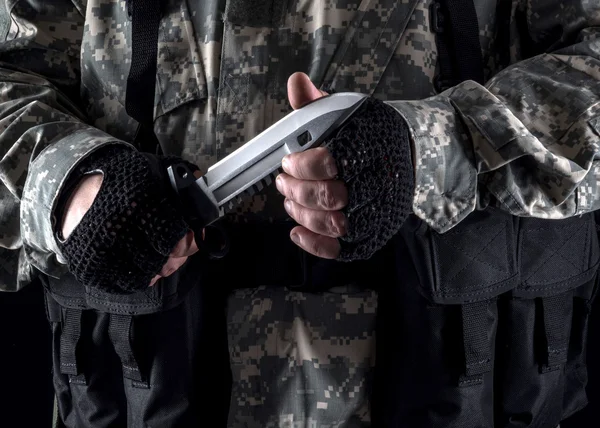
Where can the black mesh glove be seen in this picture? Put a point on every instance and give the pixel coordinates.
(373, 157)
(126, 237)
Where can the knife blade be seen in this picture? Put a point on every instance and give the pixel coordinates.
(253, 165)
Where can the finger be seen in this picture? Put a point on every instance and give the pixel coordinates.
(156, 278)
(172, 265)
(329, 195)
(186, 246)
(327, 223)
(318, 245)
(312, 164)
(301, 90)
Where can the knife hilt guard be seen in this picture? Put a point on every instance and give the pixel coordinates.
(200, 211)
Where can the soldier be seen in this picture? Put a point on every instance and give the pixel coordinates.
(444, 255)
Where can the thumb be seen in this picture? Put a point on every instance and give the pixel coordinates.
(301, 90)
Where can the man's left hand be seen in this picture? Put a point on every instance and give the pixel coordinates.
(314, 198)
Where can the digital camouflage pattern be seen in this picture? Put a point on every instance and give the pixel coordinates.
(296, 369)
(526, 142)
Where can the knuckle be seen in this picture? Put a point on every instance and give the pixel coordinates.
(291, 163)
(290, 191)
(329, 166)
(326, 197)
(334, 225)
(310, 195)
(303, 167)
(312, 220)
(318, 225)
(322, 153)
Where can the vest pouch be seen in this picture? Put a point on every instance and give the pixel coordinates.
(87, 376)
(445, 311)
(115, 356)
(541, 372)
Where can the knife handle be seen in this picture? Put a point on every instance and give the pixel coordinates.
(216, 242)
(199, 211)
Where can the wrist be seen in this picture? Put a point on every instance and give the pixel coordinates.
(79, 202)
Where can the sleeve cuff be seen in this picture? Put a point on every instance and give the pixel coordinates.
(588, 192)
(445, 182)
(46, 179)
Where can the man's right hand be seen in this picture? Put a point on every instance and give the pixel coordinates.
(140, 215)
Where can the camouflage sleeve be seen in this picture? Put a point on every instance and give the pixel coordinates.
(527, 142)
(42, 133)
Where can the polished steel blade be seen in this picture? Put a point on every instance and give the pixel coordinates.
(260, 159)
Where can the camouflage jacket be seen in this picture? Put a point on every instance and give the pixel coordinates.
(527, 141)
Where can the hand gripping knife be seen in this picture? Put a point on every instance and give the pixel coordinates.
(255, 164)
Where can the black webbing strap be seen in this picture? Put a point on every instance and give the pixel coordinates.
(457, 39)
(139, 101)
(557, 312)
(69, 339)
(120, 332)
(477, 346)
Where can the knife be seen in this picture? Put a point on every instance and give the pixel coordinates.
(255, 164)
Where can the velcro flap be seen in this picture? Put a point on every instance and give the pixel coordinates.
(556, 256)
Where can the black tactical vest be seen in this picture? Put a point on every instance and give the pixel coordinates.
(487, 326)
(484, 326)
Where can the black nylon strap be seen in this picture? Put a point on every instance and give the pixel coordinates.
(478, 358)
(465, 34)
(459, 50)
(557, 312)
(145, 21)
(69, 339)
(445, 77)
(121, 335)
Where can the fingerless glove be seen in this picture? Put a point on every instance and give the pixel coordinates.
(126, 237)
(373, 157)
